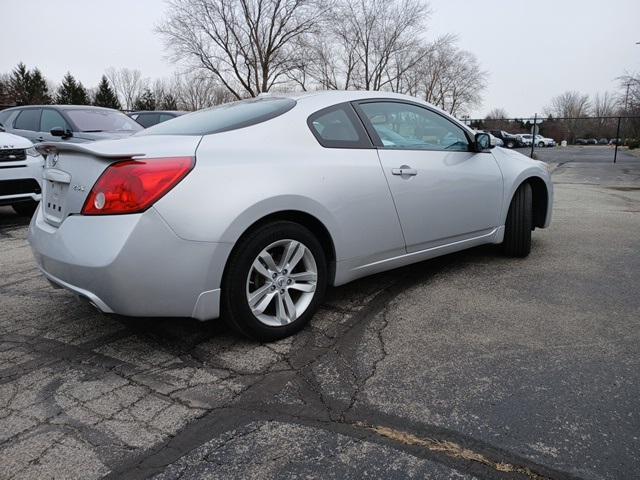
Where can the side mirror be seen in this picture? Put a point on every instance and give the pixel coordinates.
(483, 142)
(61, 132)
(2, 128)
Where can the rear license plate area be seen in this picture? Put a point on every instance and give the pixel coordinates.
(54, 200)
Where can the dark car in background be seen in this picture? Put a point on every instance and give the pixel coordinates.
(509, 140)
(150, 118)
(72, 123)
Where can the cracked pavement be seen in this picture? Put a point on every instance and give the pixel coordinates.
(468, 366)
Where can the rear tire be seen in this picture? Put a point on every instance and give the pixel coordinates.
(291, 299)
(25, 209)
(510, 144)
(517, 234)
(541, 144)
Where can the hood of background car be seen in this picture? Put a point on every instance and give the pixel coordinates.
(9, 140)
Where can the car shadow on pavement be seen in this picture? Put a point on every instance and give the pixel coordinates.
(184, 334)
(8, 218)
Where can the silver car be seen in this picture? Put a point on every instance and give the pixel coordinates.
(67, 123)
(253, 208)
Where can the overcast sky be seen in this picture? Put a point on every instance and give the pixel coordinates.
(532, 50)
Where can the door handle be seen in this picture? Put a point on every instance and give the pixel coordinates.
(40, 139)
(404, 170)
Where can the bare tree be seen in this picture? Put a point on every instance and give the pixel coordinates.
(603, 106)
(247, 45)
(447, 77)
(497, 114)
(630, 103)
(195, 91)
(127, 83)
(376, 41)
(569, 104)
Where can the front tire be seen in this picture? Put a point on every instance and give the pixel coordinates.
(541, 144)
(510, 144)
(274, 282)
(517, 234)
(25, 209)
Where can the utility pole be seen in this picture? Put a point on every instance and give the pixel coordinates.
(533, 133)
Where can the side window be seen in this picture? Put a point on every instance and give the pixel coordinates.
(408, 126)
(165, 116)
(52, 119)
(28, 119)
(147, 119)
(338, 127)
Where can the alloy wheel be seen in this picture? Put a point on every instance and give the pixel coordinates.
(281, 282)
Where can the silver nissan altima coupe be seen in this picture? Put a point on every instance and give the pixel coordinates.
(251, 209)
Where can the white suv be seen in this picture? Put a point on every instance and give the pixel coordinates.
(20, 173)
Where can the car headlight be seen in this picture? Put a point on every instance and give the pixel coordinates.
(32, 152)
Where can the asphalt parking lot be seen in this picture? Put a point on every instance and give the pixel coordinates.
(468, 366)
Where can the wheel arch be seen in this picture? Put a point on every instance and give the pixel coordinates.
(540, 198)
(307, 220)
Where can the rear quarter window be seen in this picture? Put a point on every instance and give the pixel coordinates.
(223, 118)
(338, 127)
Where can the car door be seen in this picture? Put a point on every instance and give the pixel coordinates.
(444, 191)
(50, 119)
(354, 188)
(27, 124)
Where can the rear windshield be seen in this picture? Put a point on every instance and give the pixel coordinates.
(90, 120)
(223, 118)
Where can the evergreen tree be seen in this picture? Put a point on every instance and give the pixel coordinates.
(28, 87)
(71, 92)
(4, 92)
(105, 96)
(146, 101)
(38, 90)
(19, 84)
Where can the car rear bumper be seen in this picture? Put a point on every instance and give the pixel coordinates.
(20, 181)
(131, 264)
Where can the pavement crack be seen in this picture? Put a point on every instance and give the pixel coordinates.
(453, 450)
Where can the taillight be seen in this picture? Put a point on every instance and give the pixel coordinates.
(132, 186)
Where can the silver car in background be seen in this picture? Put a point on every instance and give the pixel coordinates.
(67, 123)
(253, 208)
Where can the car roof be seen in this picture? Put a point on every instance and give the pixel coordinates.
(61, 107)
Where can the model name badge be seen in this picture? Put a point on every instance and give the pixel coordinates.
(79, 188)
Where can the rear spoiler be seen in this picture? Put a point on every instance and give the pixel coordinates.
(45, 148)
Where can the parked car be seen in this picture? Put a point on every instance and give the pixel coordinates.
(581, 141)
(525, 139)
(150, 118)
(544, 141)
(592, 141)
(603, 141)
(509, 140)
(20, 173)
(269, 200)
(615, 141)
(70, 123)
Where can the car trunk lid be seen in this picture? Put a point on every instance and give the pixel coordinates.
(71, 169)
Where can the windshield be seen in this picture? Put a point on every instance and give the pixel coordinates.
(223, 118)
(95, 120)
